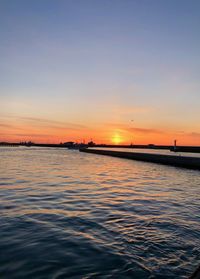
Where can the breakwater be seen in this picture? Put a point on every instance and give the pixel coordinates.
(178, 161)
(189, 149)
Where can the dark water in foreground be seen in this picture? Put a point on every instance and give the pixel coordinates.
(66, 214)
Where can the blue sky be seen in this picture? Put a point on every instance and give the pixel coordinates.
(102, 63)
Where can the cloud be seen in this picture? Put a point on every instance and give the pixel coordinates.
(194, 134)
(146, 131)
(6, 125)
(52, 123)
(22, 121)
(33, 135)
(189, 134)
(140, 130)
(10, 126)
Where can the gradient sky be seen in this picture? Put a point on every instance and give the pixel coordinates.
(114, 71)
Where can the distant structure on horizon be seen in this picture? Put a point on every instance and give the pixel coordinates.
(68, 143)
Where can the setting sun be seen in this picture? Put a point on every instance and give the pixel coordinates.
(116, 139)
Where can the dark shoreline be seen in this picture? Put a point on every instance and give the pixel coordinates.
(189, 149)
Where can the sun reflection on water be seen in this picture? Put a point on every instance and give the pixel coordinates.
(132, 217)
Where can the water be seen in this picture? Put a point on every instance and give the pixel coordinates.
(66, 214)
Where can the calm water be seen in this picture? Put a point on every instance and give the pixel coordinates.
(66, 214)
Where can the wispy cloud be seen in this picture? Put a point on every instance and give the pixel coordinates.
(52, 123)
(22, 121)
(39, 129)
(194, 134)
(141, 130)
(6, 125)
(146, 130)
(34, 135)
(189, 134)
(10, 126)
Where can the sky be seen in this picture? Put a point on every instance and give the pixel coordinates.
(112, 71)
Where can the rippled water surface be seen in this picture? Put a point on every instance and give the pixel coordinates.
(66, 214)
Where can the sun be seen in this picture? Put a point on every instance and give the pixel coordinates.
(116, 139)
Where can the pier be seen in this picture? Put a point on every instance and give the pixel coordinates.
(177, 161)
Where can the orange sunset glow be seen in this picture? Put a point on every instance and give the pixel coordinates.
(15, 129)
(80, 80)
(99, 139)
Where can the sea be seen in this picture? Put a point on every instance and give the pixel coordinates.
(68, 214)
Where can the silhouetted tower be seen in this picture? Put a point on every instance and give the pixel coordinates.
(175, 145)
